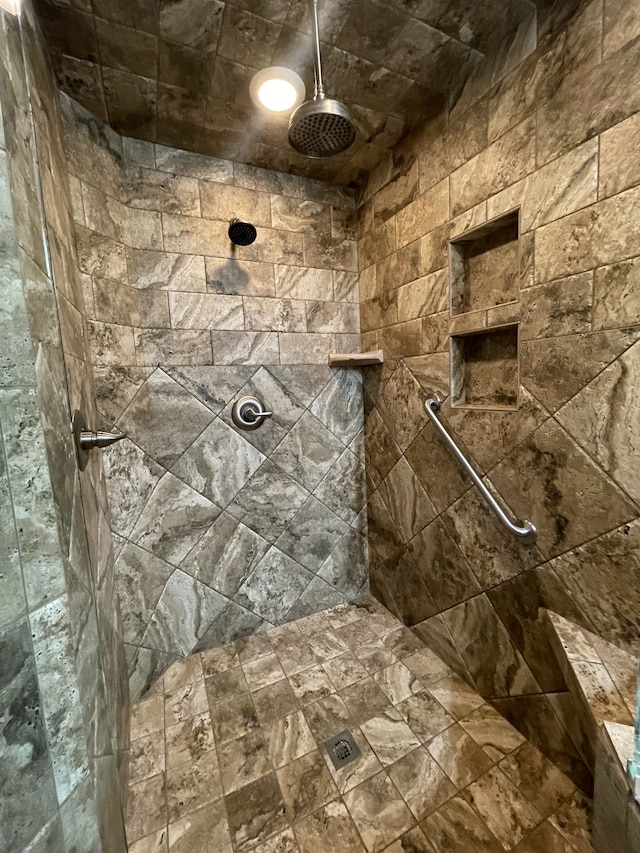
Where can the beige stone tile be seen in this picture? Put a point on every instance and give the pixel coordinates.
(545, 838)
(146, 807)
(378, 812)
(374, 655)
(288, 738)
(303, 283)
(542, 783)
(225, 202)
(146, 757)
(147, 716)
(327, 717)
(192, 784)
(414, 841)
(616, 302)
(561, 307)
(188, 740)
(234, 718)
(175, 346)
(201, 831)
(157, 842)
(425, 715)
(357, 771)
(598, 235)
(183, 672)
(428, 211)
(185, 702)
(506, 812)
(621, 25)
(262, 671)
(456, 696)
(573, 822)
(256, 812)
(243, 760)
(389, 736)
(422, 782)
(306, 785)
(403, 642)
(327, 645)
(364, 699)
(618, 171)
(503, 162)
(344, 670)
(426, 666)
(297, 656)
(220, 659)
(276, 700)
(330, 828)
(492, 732)
(459, 756)
(397, 682)
(456, 827)
(311, 684)
(283, 842)
(226, 685)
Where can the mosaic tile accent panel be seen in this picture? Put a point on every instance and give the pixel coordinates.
(234, 740)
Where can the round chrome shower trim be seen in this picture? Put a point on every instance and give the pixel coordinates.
(321, 128)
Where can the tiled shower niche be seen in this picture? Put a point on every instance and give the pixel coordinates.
(484, 369)
(484, 276)
(484, 266)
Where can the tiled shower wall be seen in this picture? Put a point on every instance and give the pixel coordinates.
(63, 684)
(219, 532)
(558, 137)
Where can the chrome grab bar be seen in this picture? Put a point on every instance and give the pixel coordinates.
(525, 530)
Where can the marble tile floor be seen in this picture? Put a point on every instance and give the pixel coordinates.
(226, 752)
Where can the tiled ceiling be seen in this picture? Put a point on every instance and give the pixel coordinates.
(178, 71)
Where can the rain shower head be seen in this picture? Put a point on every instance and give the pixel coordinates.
(323, 126)
(242, 233)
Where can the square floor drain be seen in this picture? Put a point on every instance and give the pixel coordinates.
(342, 749)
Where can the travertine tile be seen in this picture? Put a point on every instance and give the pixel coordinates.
(492, 732)
(456, 695)
(459, 756)
(378, 812)
(457, 827)
(188, 740)
(262, 671)
(352, 774)
(146, 757)
(201, 830)
(422, 783)
(185, 702)
(389, 736)
(256, 811)
(507, 813)
(288, 738)
(306, 785)
(344, 670)
(542, 783)
(219, 660)
(311, 684)
(192, 784)
(329, 828)
(234, 718)
(364, 699)
(243, 760)
(276, 700)
(397, 682)
(146, 807)
(425, 715)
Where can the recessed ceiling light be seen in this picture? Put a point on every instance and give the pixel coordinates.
(277, 89)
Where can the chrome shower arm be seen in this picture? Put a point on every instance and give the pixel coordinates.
(525, 530)
(319, 93)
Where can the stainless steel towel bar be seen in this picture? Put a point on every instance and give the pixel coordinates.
(525, 530)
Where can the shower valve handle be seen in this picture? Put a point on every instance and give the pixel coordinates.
(249, 413)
